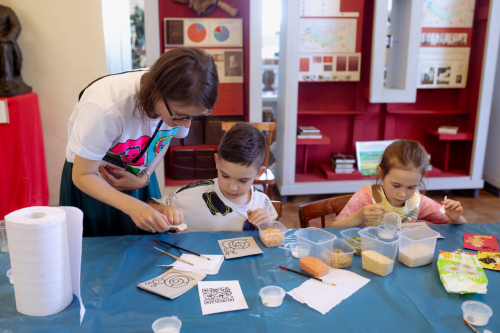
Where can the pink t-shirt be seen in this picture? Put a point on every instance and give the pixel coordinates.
(428, 209)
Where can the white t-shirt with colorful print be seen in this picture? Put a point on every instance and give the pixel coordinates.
(105, 122)
(206, 209)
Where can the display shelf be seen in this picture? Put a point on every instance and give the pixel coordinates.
(429, 112)
(330, 174)
(460, 136)
(311, 142)
(332, 112)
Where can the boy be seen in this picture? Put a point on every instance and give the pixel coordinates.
(228, 202)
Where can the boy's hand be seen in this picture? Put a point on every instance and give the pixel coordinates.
(175, 216)
(370, 213)
(257, 216)
(453, 209)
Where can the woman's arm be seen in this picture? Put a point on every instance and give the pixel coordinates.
(86, 179)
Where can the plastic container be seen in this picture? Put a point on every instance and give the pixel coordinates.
(9, 275)
(348, 235)
(416, 246)
(378, 250)
(272, 296)
(298, 249)
(320, 243)
(344, 259)
(167, 325)
(476, 313)
(272, 234)
(391, 221)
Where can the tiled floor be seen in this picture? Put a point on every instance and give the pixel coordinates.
(485, 208)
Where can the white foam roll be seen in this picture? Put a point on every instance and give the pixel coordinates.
(45, 245)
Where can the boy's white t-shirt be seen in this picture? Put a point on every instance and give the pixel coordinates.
(106, 122)
(206, 209)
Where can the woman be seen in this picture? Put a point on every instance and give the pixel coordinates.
(120, 128)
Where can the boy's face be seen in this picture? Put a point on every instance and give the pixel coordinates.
(400, 184)
(235, 180)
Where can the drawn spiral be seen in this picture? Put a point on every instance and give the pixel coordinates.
(176, 280)
(237, 244)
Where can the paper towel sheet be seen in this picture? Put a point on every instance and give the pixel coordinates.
(45, 246)
(323, 297)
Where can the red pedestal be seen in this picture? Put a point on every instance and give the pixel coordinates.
(23, 179)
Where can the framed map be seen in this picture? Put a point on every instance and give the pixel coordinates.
(448, 13)
(328, 35)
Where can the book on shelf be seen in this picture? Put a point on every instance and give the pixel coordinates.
(341, 165)
(308, 129)
(343, 158)
(309, 136)
(448, 129)
(344, 170)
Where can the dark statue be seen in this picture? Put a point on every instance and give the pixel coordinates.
(11, 59)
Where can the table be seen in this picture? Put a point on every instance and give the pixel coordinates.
(407, 300)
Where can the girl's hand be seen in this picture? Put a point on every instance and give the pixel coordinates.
(257, 216)
(122, 180)
(146, 217)
(453, 209)
(174, 216)
(370, 213)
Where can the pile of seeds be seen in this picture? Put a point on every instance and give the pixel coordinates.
(376, 263)
(355, 242)
(339, 260)
(415, 255)
(272, 237)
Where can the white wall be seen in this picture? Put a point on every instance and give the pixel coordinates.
(492, 160)
(63, 49)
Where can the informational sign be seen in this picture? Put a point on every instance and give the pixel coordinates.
(445, 43)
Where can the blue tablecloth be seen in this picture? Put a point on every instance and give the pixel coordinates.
(407, 300)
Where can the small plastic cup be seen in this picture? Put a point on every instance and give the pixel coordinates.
(167, 325)
(391, 221)
(9, 275)
(300, 250)
(272, 239)
(476, 313)
(272, 296)
(4, 245)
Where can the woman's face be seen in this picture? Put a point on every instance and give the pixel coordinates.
(178, 111)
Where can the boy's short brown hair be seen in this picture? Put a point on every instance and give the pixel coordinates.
(243, 144)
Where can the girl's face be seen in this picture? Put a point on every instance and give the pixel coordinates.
(400, 184)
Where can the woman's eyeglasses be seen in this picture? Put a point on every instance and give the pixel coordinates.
(206, 113)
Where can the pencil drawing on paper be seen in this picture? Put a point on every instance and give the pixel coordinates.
(172, 280)
(230, 246)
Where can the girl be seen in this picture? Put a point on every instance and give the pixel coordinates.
(125, 121)
(400, 172)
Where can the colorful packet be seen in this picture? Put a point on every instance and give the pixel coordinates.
(461, 272)
(485, 243)
(489, 260)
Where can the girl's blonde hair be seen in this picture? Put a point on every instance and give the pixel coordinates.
(403, 154)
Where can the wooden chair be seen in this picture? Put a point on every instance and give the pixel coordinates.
(321, 208)
(267, 179)
(278, 206)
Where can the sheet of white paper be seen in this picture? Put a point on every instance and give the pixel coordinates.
(201, 265)
(221, 296)
(323, 297)
(172, 283)
(239, 247)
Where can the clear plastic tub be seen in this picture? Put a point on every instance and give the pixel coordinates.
(378, 250)
(167, 325)
(344, 259)
(391, 221)
(272, 234)
(416, 246)
(476, 313)
(272, 296)
(320, 243)
(297, 249)
(352, 237)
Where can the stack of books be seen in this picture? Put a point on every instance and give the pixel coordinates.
(308, 132)
(429, 166)
(342, 163)
(448, 129)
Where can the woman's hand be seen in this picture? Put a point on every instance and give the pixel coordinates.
(370, 213)
(122, 180)
(257, 216)
(146, 217)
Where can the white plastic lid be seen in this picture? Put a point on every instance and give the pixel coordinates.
(391, 221)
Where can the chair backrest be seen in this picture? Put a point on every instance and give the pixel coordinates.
(278, 206)
(264, 127)
(321, 208)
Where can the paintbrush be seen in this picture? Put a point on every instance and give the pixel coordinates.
(306, 275)
(180, 248)
(472, 327)
(187, 262)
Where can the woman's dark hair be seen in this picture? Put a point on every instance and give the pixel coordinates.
(403, 154)
(243, 144)
(184, 75)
